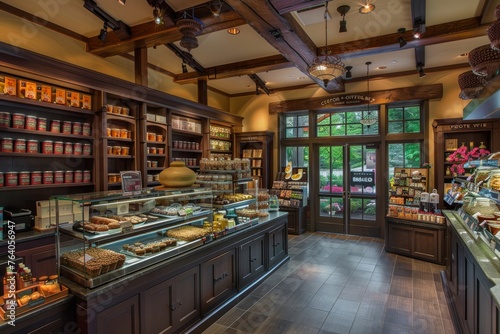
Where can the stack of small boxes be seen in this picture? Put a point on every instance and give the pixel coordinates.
(68, 212)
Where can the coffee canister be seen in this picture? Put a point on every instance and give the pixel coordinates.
(78, 176)
(55, 126)
(36, 177)
(58, 177)
(41, 124)
(68, 148)
(24, 178)
(32, 146)
(86, 129)
(48, 177)
(77, 128)
(7, 145)
(87, 176)
(4, 119)
(58, 147)
(68, 176)
(30, 122)
(18, 121)
(11, 179)
(77, 148)
(20, 145)
(66, 127)
(48, 147)
(87, 150)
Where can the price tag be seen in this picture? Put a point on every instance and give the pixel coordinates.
(126, 226)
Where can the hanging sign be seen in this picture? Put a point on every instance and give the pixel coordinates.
(348, 99)
(365, 179)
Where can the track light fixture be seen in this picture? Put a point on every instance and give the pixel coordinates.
(401, 40)
(104, 33)
(184, 68)
(418, 29)
(343, 24)
(421, 72)
(348, 74)
(215, 7)
(157, 16)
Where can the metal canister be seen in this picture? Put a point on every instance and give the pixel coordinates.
(48, 147)
(4, 119)
(86, 129)
(58, 177)
(68, 176)
(68, 148)
(32, 146)
(87, 149)
(78, 176)
(18, 121)
(7, 145)
(77, 148)
(48, 177)
(20, 145)
(30, 122)
(11, 179)
(66, 127)
(77, 128)
(58, 147)
(87, 176)
(36, 177)
(24, 178)
(41, 124)
(55, 126)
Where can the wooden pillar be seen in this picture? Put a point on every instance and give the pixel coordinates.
(203, 92)
(141, 66)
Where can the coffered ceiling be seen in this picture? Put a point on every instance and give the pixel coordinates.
(277, 38)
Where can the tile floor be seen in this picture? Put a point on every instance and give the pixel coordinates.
(343, 284)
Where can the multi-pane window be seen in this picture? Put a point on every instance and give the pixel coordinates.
(297, 155)
(345, 123)
(404, 155)
(297, 126)
(404, 120)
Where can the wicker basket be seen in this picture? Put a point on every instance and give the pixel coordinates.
(485, 61)
(471, 85)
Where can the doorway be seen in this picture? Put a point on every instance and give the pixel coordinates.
(346, 198)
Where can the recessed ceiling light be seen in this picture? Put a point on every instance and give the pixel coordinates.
(394, 61)
(233, 31)
(382, 67)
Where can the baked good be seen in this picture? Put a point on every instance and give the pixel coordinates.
(89, 226)
(102, 220)
(102, 228)
(140, 251)
(23, 300)
(35, 295)
(187, 233)
(113, 226)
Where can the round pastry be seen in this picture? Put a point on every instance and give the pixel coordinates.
(35, 295)
(156, 249)
(138, 244)
(149, 249)
(24, 300)
(101, 228)
(43, 278)
(140, 251)
(125, 246)
(114, 225)
(53, 277)
(89, 227)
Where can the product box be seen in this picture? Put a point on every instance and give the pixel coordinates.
(74, 99)
(42, 223)
(47, 209)
(151, 117)
(176, 123)
(86, 101)
(161, 119)
(46, 93)
(27, 89)
(8, 86)
(60, 96)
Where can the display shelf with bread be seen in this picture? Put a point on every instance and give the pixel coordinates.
(118, 234)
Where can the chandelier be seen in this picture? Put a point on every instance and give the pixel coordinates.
(369, 118)
(189, 27)
(326, 67)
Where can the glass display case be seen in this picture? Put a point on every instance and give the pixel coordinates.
(113, 234)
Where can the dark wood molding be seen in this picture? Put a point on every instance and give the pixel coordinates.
(426, 92)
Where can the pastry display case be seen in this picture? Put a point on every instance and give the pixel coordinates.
(113, 235)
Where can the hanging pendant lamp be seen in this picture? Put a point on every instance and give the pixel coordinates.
(369, 118)
(326, 67)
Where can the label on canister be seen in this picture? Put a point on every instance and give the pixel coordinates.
(11, 179)
(58, 177)
(48, 147)
(68, 148)
(55, 126)
(4, 119)
(77, 128)
(18, 121)
(7, 145)
(86, 129)
(78, 176)
(68, 176)
(66, 127)
(20, 145)
(87, 177)
(77, 148)
(36, 177)
(41, 124)
(32, 146)
(87, 149)
(58, 147)
(30, 122)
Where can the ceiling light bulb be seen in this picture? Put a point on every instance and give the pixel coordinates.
(122, 2)
(233, 31)
(367, 8)
(156, 15)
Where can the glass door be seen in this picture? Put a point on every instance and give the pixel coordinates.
(347, 195)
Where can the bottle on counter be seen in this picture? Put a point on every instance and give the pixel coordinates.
(9, 282)
(26, 278)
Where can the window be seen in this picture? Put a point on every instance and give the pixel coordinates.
(344, 123)
(404, 120)
(297, 126)
(297, 155)
(410, 153)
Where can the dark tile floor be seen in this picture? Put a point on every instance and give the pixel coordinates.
(343, 284)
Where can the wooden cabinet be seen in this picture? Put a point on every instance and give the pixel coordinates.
(218, 280)
(297, 219)
(187, 140)
(251, 261)
(121, 318)
(277, 247)
(172, 304)
(258, 147)
(221, 141)
(420, 240)
(450, 134)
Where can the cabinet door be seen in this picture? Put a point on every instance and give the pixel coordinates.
(425, 244)
(218, 281)
(469, 302)
(399, 239)
(485, 306)
(41, 260)
(251, 261)
(122, 318)
(277, 245)
(171, 304)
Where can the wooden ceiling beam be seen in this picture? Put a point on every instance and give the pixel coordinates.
(150, 34)
(284, 34)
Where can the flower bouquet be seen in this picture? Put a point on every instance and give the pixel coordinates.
(463, 155)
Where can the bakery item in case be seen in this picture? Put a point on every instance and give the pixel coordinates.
(187, 233)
